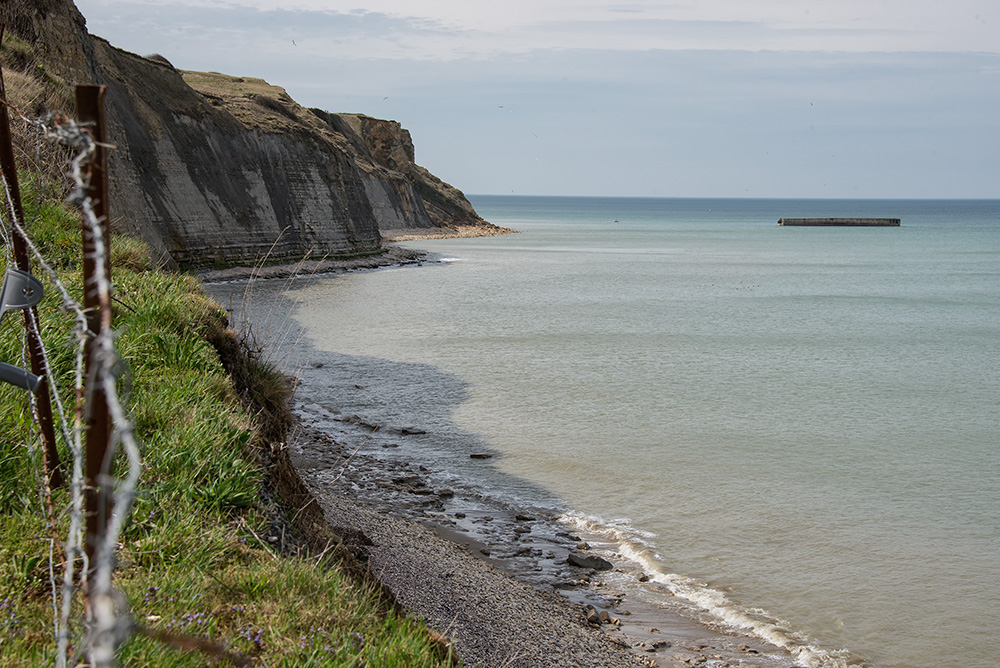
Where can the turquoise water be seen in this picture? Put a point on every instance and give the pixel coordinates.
(795, 429)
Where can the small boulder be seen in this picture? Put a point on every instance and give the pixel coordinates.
(589, 561)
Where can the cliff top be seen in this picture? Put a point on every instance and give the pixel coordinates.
(256, 103)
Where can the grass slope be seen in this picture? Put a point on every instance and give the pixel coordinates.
(198, 574)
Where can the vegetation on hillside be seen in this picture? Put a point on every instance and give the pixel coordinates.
(199, 566)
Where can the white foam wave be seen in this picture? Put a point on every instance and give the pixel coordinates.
(633, 546)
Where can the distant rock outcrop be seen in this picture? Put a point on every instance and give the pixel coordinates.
(214, 170)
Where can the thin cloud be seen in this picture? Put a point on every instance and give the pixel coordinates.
(437, 30)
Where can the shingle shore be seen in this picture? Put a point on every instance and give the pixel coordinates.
(493, 617)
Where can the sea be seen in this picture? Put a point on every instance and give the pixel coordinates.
(794, 430)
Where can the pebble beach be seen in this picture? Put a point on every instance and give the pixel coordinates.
(508, 586)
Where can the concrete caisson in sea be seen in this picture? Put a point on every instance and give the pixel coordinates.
(842, 222)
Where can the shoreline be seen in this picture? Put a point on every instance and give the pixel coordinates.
(494, 577)
(518, 602)
(390, 256)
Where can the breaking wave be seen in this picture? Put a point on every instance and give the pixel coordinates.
(632, 545)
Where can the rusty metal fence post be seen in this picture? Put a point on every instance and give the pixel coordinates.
(22, 258)
(97, 306)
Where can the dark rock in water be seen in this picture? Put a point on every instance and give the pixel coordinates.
(408, 480)
(524, 518)
(411, 431)
(358, 420)
(445, 493)
(589, 561)
(480, 456)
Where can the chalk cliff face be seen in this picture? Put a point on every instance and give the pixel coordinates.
(212, 169)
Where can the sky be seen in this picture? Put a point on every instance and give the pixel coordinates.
(682, 98)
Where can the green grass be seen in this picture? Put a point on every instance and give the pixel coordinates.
(196, 571)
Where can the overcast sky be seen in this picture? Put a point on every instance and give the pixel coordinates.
(682, 98)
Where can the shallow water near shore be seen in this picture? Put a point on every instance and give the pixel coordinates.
(791, 429)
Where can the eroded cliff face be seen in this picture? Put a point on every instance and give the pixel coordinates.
(211, 169)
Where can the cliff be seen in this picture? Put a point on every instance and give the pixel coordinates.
(213, 170)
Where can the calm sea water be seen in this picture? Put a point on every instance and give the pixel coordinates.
(796, 429)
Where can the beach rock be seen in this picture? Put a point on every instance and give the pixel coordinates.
(409, 480)
(590, 613)
(445, 493)
(589, 561)
(524, 518)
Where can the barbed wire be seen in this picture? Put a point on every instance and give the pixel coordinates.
(106, 627)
